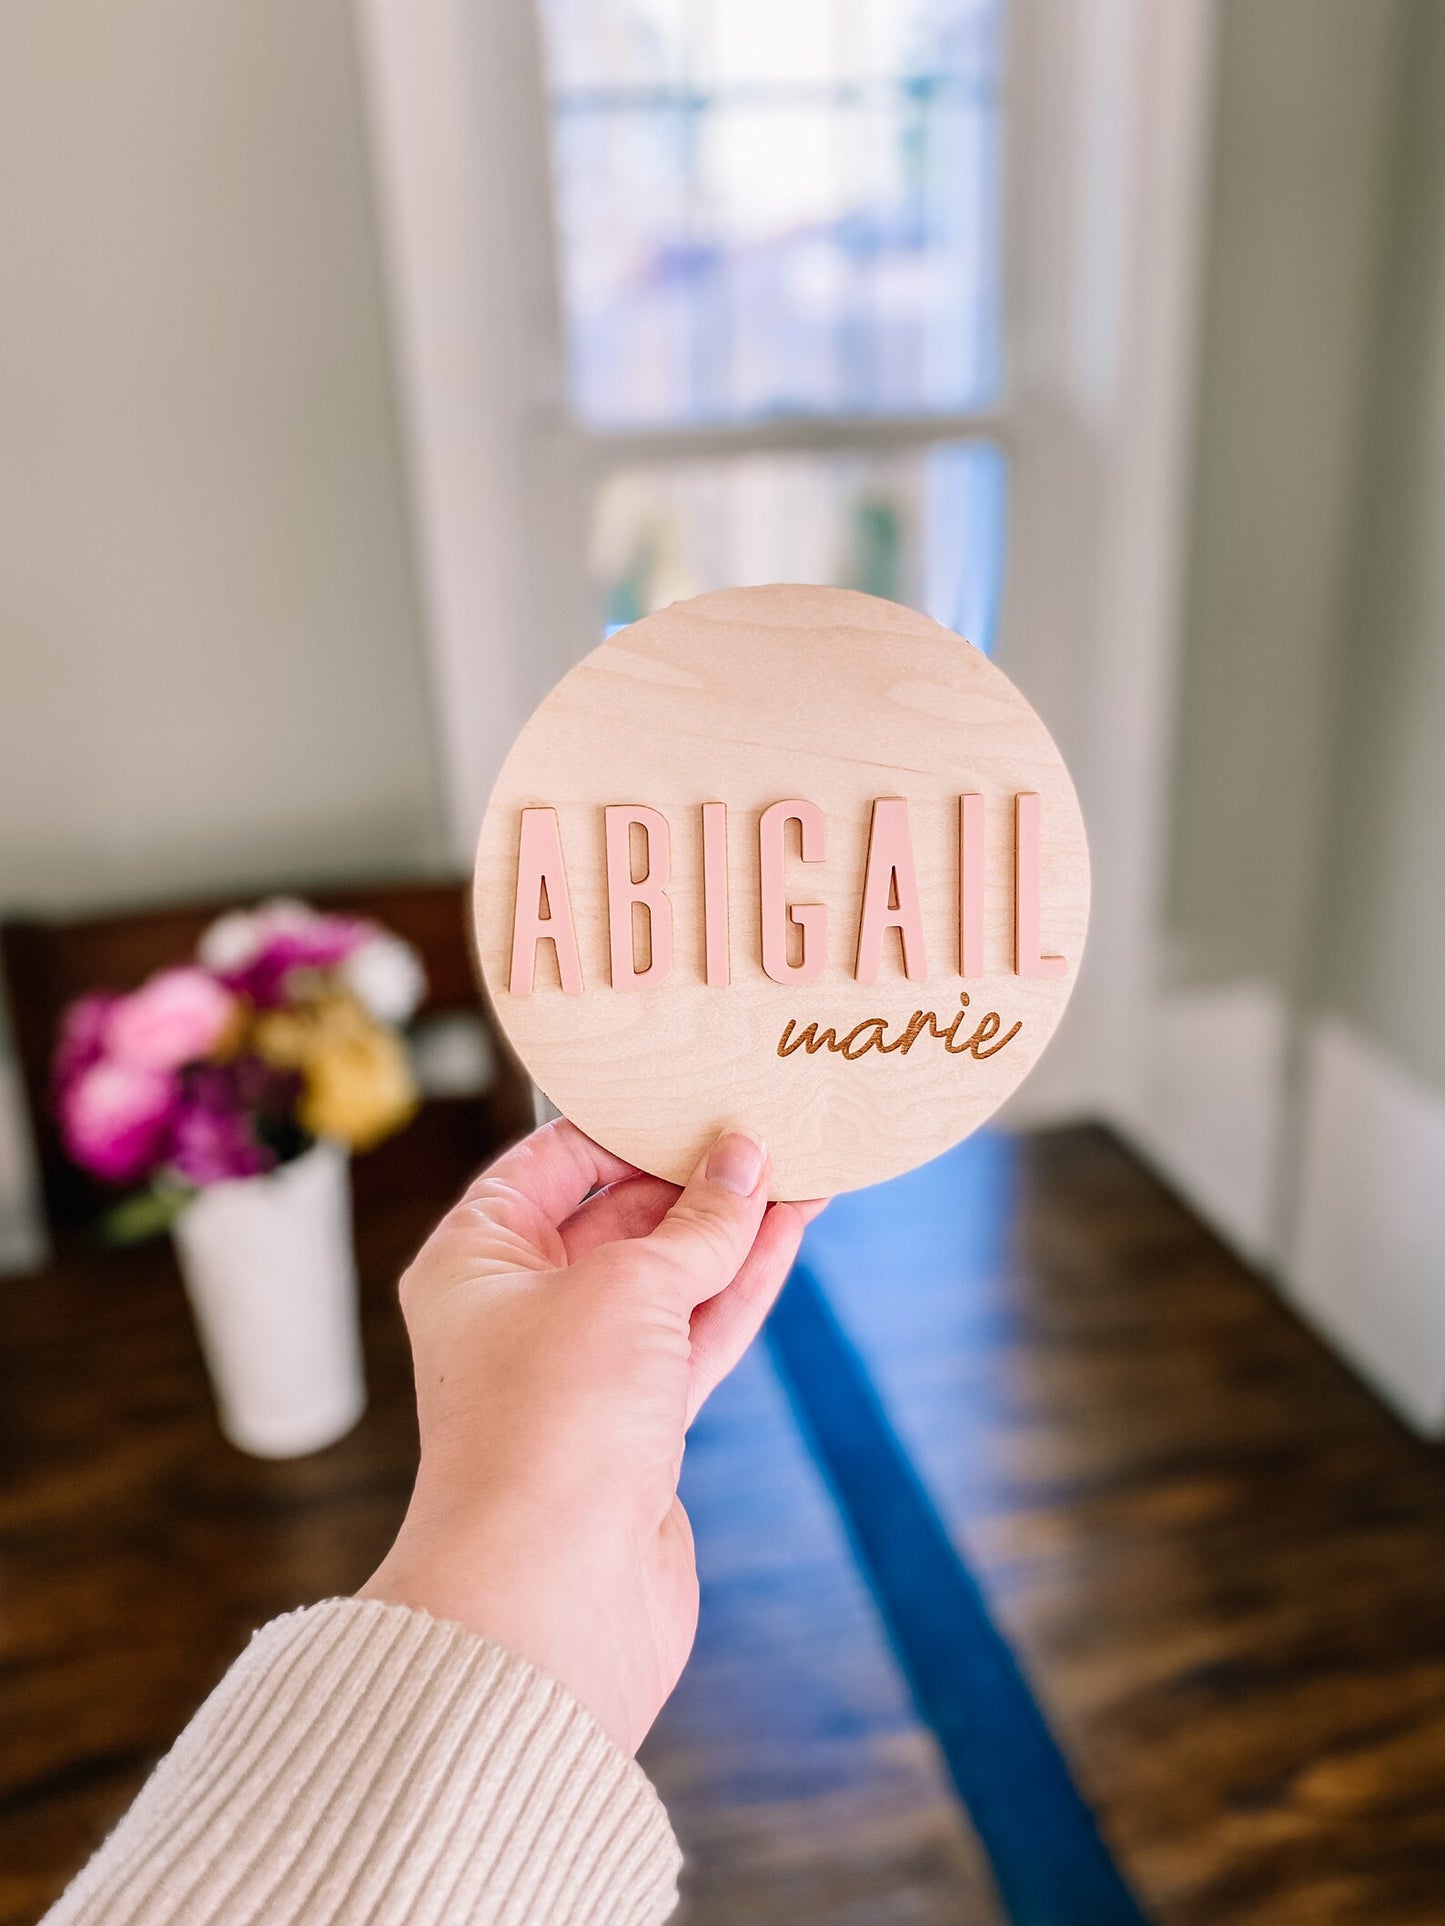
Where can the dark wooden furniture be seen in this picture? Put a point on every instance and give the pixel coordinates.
(1220, 1559)
(1222, 1563)
(46, 964)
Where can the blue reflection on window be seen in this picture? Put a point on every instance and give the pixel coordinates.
(776, 206)
(962, 540)
(925, 528)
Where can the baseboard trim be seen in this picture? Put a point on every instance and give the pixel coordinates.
(1366, 1257)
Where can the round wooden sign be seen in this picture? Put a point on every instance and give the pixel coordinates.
(791, 860)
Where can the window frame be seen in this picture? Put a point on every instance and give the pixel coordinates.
(1105, 144)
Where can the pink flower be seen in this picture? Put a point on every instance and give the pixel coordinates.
(178, 1017)
(227, 1113)
(82, 1039)
(212, 1146)
(116, 1118)
(256, 951)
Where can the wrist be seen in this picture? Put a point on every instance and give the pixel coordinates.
(560, 1623)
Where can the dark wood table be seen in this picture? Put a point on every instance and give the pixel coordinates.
(138, 1551)
(1221, 1562)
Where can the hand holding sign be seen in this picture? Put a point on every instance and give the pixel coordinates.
(791, 860)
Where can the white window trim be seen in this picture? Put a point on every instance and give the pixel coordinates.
(1106, 124)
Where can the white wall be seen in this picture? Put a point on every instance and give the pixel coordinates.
(1299, 1068)
(1300, 194)
(1366, 1258)
(211, 667)
(1298, 201)
(211, 664)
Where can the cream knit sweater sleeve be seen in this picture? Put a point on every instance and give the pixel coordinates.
(362, 1762)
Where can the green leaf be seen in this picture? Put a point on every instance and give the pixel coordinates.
(150, 1213)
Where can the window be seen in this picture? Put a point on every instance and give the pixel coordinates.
(921, 528)
(794, 359)
(773, 221)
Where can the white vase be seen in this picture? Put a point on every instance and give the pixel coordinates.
(270, 1272)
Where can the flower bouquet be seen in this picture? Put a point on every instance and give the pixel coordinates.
(225, 1094)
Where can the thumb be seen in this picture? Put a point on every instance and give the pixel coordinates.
(709, 1231)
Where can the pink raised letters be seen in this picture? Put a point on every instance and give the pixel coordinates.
(541, 875)
(639, 838)
(777, 913)
(716, 954)
(650, 890)
(1028, 959)
(970, 885)
(890, 894)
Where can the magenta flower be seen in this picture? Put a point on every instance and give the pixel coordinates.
(82, 1039)
(254, 952)
(213, 1146)
(227, 1112)
(117, 1118)
(178, 1017)
(162, 1086)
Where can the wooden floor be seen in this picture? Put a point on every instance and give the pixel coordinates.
(802, 1786)
(1221, 1564)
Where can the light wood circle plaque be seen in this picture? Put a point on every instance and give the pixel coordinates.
(791, 860)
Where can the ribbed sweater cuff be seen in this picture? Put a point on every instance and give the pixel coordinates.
(361, 1761)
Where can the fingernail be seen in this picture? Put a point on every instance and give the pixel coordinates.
(735, 1163)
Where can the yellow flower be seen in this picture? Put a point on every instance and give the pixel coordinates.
(356, 1080)
(285, 1038)
(358, 1086)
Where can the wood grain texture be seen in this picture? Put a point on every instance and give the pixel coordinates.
(139, 1552)
(751, 697)
(802, 1785)
(1220, 1560)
